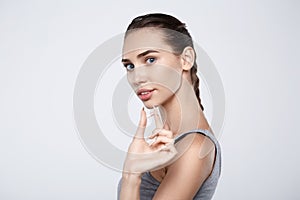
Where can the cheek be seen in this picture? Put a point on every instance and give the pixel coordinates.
(166, 77)
(161, 75)
(130, 79)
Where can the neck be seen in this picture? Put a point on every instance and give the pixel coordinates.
(182, 112)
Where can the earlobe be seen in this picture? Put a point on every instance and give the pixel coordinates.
(187, 58)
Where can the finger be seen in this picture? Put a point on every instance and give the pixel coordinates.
(161, 132)
(169, 148)
(155, 132)
(161, 140)
(142, 125)
(157, 117)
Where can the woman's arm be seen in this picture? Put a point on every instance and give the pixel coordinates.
(142, 157)
(186, 175)
(130, 187)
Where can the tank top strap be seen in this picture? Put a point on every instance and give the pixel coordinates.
(204, 132)
(207, 133)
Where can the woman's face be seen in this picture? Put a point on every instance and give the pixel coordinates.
(153, 71)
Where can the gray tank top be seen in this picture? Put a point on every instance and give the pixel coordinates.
(149, 184)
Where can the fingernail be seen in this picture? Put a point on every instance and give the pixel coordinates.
(151, 136)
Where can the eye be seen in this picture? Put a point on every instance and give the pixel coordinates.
(129, 66)
(150, 60)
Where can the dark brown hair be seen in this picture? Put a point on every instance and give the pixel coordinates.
(178, 38)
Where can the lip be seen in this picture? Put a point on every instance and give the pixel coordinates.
(145, 94)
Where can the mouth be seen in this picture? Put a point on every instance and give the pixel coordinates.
(145, 94)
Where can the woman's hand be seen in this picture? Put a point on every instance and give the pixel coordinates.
(142, 157)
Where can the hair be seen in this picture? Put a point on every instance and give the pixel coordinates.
(173, 38)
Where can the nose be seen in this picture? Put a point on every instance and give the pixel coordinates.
(138, 76)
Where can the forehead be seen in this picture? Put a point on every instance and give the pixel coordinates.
(145, 38)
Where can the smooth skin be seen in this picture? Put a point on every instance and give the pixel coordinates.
(179, 168)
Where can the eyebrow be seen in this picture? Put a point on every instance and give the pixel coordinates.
(141, 55)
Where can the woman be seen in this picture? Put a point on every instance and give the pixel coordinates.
(184, 161)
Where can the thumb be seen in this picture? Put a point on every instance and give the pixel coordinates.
(142, 125)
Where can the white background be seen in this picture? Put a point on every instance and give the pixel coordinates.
(254, 45)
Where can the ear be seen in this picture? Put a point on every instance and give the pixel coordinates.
(187, 58)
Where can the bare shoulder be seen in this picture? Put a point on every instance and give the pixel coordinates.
(195, 150)
(192, 166)
(199, 144)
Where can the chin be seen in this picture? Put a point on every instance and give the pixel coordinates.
(157, 101)
(149, 105)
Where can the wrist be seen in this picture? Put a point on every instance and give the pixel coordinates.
(130, 187)
(131, 177)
